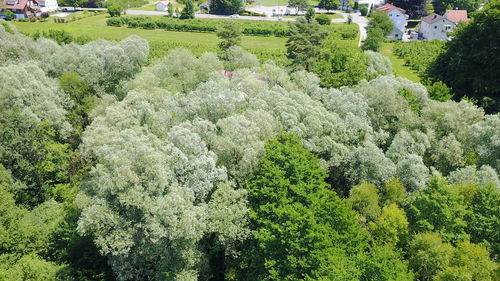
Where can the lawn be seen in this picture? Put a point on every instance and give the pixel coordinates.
(151, 6)
(161, 41)
(331, 16)
(398, 64)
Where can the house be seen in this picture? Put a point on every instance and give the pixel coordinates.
(436, 27)
(48, 5)
(23, 8)
(162, 5)
(398, 17)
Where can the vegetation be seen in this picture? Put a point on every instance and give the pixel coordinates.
(225, 7)
(464, 65)
(415, 9)
(381, 26)
(206, 167)
(188, 11)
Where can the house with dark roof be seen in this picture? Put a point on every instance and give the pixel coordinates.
(436, 27)
(23, 8)
(398, 17)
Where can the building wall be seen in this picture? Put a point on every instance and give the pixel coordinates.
(400, 21)
(161, 7)
(437, 30)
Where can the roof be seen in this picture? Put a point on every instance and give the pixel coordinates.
(19, 4)
(456, 15)
(432, 18)
(389, 7)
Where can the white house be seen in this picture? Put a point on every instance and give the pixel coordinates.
(162, 5)
(436, 27)
(398, 17)
(48, 5)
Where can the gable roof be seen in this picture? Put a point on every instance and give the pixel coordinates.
(432, 18)
(456, 15)
(389, 7)
(20, 4)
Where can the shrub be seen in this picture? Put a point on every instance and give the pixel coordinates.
(323, 19)
(363, 9)
(115, 11)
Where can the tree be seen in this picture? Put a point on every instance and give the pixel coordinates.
(115, 10)
(9, 15)
(469, 5)
(301, 229)
(364, 199)
(414, 8)
(381, 20)
(299, 5)
(304, 42)
(375, 37)
(329, 4)
(170, 9)
(225, 7)
(339, 64)
(384, 263)
(428, 255)
(323, 19)
(230, 34)
(391, 228)
(310, 14)
(188, 11)
(465, 65)
(440, 208)
(377, 65)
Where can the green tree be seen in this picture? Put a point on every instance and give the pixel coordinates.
(465, 65)
(170, 9)
(230, 34)
(381, 20)
(483, 222)
(428, 255)
(339, 64)
(225, 7)
(329, 4)
(364, 199)
(469, 5)
(299, 5)
(301, 229)
(384, 263)
(304, 43)
(414, 8)
(391, 227)
(310, 14)
(323, 19)
(439, 207)
(374, 39)
(115, 10)
(188, 11)
(9, 15)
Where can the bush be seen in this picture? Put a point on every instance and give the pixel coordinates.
(115, 11)
(323, 19)
(363, 9)
(114, 22)
(9, 15)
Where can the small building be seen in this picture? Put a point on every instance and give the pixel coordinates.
(436, 27)
(23, 8)
(398, 17)
(48, 5)
(162, 5)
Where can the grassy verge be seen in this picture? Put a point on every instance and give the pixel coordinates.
(398, 64)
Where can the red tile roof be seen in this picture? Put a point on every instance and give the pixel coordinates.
(20, 4)
(389, 7)
(456, 15)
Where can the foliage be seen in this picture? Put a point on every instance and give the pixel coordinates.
(328, 4)
(339, 64)
(469, 5)
(377, 65)
(440, 208)
(230, 34)
(225, 7)
(188, 11)
(310, 14)
(414, 8)
(374, 39)
(385, 263)
(364, 199)
(299, 5)
(323, 19)
(304, 43)
(9, 15)
(60, 36)
(465, 64)
(302, 229)
(381, 20)
(115, 10)
(419, 55)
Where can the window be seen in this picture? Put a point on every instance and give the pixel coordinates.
(435, 27)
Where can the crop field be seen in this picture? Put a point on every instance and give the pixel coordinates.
(161, 41)
(398, 64)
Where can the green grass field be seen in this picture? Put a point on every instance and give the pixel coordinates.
(398, 64)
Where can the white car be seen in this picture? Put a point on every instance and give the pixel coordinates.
(234, 16)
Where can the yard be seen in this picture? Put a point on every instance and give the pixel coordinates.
(398, 64)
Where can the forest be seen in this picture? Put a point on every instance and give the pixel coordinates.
(223, 167)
